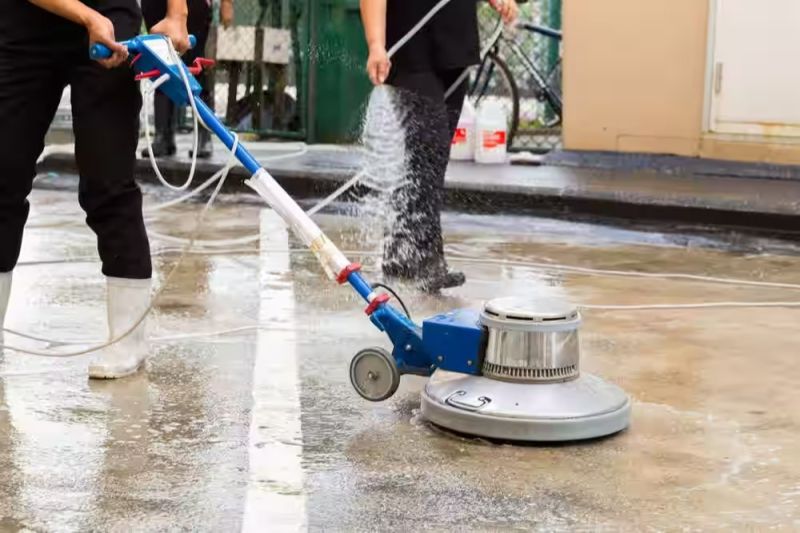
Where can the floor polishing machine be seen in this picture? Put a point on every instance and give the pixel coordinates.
(508, 371)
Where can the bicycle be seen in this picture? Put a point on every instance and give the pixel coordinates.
(493, 78)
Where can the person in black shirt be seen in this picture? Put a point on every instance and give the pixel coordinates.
(422, 71)
(44, 46)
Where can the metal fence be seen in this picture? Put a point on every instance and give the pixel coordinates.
(257, 83)
(533, 134)
(261, 83)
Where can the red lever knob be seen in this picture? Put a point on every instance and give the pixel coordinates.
(201, 63)
(375, 303)
(148, 74)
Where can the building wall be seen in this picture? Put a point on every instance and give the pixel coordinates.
(635, 81)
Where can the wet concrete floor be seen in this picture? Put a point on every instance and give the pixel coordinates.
(259, 429)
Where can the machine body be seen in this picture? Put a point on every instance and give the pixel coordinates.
(509, 371)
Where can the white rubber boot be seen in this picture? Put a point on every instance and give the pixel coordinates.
(127, 300)
(5, 292)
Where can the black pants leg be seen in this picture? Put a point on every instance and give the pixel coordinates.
(105, 108)
(415, 248)
(30, 90)
(105, 105)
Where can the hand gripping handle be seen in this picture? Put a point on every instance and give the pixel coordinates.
(100, 51)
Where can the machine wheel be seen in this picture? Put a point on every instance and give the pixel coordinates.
(374, 374)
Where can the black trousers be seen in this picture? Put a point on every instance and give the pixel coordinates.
(415, 248)
(198, 23)
(105, 110)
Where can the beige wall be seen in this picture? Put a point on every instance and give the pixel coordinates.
(634, 81)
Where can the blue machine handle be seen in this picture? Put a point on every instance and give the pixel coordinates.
(100, 51)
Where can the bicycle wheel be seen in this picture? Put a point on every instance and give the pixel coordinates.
(493, 80)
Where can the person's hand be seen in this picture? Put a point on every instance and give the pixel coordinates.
(175, 29)
(378, 65)
(507, 9)
(101, 30)
(226, 13)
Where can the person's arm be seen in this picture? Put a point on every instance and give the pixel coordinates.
(99, 28)
(226, 13)
(373, 15)
(174, 25)
(507, 9)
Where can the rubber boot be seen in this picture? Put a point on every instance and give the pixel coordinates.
(432, 282)
(446, 279)
(127, 301)
(204, 146)
(5, 292)
(164, 141)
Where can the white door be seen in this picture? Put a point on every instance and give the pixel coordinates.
(755, 79)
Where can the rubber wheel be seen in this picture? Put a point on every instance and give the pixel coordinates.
(374, 374)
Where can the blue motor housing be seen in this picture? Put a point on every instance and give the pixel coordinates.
(455, 340)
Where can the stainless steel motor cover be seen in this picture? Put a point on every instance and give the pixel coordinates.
(534, 341)
(532, 355)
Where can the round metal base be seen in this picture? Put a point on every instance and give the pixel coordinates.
(584, 408)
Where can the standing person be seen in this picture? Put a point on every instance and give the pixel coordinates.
(44, 46)
(198, 23)
(422, 71)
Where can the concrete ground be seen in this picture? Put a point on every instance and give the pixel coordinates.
(259, 429)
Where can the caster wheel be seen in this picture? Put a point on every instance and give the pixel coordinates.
(374, 374)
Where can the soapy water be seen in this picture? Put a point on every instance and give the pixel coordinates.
(387, 208)
(383, 169)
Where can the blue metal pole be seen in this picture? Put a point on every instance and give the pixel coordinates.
(356, 280)
(361, 285)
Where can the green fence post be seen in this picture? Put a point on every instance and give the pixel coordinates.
(338, 85)
(553, 21)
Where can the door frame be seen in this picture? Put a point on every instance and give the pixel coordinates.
(736, 129)
(709, 105)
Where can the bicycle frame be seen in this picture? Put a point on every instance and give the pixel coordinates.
(543, 89)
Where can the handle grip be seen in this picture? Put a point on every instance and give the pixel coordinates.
(100, 51)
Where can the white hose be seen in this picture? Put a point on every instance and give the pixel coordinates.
(416, 28)
(164, 339)
(152, 156)
(628, 273)
(249, 239)
(495, 35)
(688, 306)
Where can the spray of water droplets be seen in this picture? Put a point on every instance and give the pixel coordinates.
(384, 164)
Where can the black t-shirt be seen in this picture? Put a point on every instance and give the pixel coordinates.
(26, 26)
(448, 41)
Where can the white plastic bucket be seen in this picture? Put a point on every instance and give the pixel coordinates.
(462, 147)
(492, 133)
